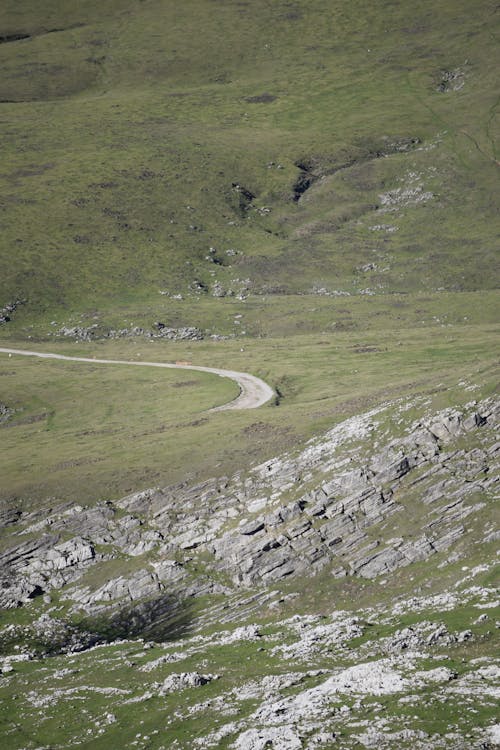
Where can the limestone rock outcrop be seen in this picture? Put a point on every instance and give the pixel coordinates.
(329, 505)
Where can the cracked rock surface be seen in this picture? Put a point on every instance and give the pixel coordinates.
(207, 615)
(328, 506)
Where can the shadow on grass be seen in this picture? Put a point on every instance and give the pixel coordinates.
(164, 619)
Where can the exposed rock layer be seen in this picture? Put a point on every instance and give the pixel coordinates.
(329, 505)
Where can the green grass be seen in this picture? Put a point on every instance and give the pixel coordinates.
(74, 426)
(125, 128)
(84, 432)
(134, 126)
(124, 132)
(118, 666)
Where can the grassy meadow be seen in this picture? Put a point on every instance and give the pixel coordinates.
(88, 432)
(313, 183)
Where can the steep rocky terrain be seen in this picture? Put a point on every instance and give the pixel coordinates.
(398, 487)
(335, 504)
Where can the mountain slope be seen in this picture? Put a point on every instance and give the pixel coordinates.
(383, 506)
(343, 146)
(308, 192)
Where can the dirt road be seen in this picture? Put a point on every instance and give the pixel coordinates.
(254, 392)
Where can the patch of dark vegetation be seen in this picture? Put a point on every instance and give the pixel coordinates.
(6, 38)
(96, 60)
(245, 198)
(146, 174)
(195, 422)
(290, 11)
(260, 99)
(185, 384)
(359, 349)
(161, 620)
(113, 213)
(263, 429)
(103, 185)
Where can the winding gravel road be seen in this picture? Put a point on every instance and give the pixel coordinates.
(254, 392)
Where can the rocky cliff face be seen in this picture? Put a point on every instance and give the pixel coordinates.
(206, 616)
(359, 501)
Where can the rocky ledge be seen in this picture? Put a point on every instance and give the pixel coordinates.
(378, 492)
(160, 331)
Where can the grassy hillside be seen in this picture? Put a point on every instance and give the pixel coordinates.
(307, 191)
(127, 128)
(303, 178)
(93, 432)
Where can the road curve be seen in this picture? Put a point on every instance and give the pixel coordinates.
(254, 392)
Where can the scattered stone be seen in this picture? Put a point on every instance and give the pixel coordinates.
(5, 413)
(9, 309)
(451, 80)
(184, 680)
(160, 330)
